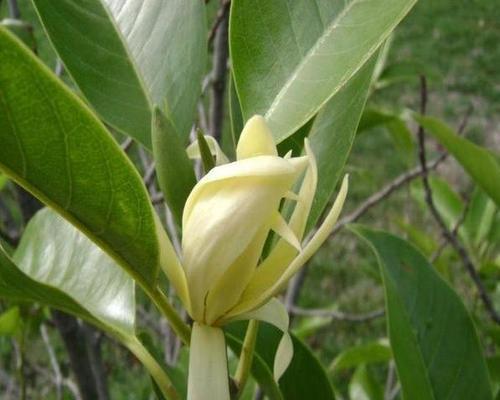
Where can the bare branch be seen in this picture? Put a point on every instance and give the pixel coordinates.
(450, 236)
(127, 144)
(336, 315)
(221, 13)
(14, 12)
(219, 72)
(58, 379)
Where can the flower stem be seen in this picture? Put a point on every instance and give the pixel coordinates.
(246, 356)
(175, 320)
(155, 370)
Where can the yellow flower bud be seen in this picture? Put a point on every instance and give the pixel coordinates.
(227, 218)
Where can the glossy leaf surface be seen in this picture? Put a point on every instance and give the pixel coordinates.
(437, 352)
(54, 147)
(55, 253)
(333, 133)
(132, 54)
(291, 56)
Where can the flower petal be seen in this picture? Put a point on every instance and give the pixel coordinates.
(273, 267)
(170, 265)
(266, 283)
(227, 290)
(223, 216)
(282, 229)
(255, 140)
(208, 377)
(274, 313)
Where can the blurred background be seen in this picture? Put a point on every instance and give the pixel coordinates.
(338, 302)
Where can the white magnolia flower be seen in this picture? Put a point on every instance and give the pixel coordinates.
(227, 219)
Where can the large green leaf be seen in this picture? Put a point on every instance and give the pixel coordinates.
(435, 345)
(333, 133)
(54, 147)
(126, 55)
(477, 161)
(54, 253)
(305, 377)
(291, 56)
(60, 267)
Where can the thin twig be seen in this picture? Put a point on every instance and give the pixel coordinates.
(391, 378)
(336, 315)
(127, 144)
(454, 230)
(385, 192)
(149, 174)
(451, 237)
(219, 72)
(221, 13)
(14, 12)
(58, 379)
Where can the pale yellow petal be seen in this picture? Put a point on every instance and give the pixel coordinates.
(171, 266)
(207, 376)
(255, 140)
(274, 313)
(227, 290)
(269, 284)
(221, 224)
(275, 265)
(284, 231)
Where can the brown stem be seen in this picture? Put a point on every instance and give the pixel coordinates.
(449, 235)
(219, 73)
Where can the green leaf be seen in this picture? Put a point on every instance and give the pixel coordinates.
(290, 57)
(235, 114)
(60, 267)
(333, 133)
(54, 147)
(129, 54)
(447, 201)
(174, 169)
(437, 352)
(373, 117)
(55, 253)
(374, 352)
(207, 159)
(363, 386)
(262, 368)
(305, 377)
(10, 321)
(23, 30)
(480, 218)
(479, 163)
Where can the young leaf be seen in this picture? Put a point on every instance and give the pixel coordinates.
(305, 377)
(435, 345)
(129, 54)
(481, 165)
(174, 169)
(374, 352)
(290, 57)
(363, 385)
(54, 147)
